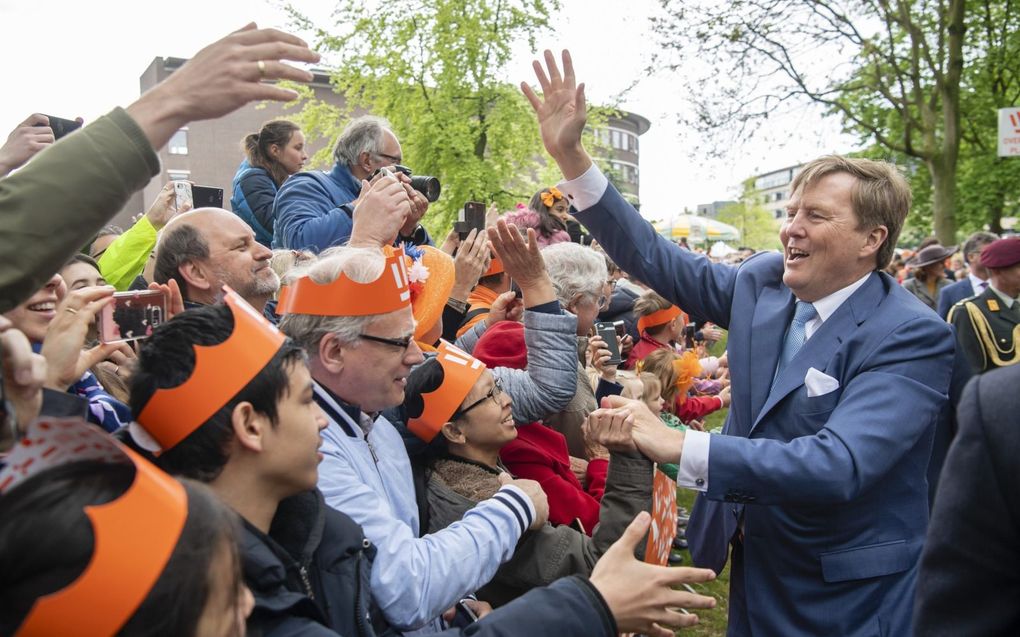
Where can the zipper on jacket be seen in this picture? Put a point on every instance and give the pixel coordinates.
(360, 612)
(303, 571)
(371, 450)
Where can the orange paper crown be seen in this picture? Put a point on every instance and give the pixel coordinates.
(658, 318)
(346, 297)
(135, 534)
(495, 266)
(460, 373)
(220, 372)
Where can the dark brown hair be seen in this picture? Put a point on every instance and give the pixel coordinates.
(256, 147)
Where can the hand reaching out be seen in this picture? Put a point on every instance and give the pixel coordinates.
(25, 141)
(642, 596)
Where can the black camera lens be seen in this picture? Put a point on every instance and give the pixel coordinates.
(428, 186)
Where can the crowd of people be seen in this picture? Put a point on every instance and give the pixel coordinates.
(302, 416)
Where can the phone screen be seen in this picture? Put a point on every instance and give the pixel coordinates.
(132, 316)
(472, 217)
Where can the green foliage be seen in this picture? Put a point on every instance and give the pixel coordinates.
(435, 69)
(757, 227)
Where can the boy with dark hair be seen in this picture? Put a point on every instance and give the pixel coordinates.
(307, 565)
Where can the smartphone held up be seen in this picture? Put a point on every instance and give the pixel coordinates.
(132, 316)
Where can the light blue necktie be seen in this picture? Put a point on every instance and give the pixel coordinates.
(795, 334)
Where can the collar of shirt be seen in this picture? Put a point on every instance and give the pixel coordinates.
(363, 420)
(976, 283)
(828, 305)
(1007, 300)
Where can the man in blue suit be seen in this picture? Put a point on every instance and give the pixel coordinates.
(977, 277)
(839, 375)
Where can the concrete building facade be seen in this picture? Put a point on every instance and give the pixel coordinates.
(773, 189)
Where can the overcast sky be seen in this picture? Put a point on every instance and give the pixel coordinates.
(67, 59)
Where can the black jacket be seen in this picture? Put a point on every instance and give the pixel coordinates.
(972, 552)
(311, 574)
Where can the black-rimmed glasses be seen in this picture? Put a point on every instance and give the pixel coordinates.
(493, 394)
(402, 343)
(390, 158)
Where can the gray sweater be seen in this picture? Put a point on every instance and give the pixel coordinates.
(550, 381)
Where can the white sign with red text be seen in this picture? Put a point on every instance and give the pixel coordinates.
(1009, 132)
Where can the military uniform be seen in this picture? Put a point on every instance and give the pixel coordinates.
(987, 331)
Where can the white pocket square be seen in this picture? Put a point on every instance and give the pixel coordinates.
(819, 383)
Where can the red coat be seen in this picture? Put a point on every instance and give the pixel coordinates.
(540, 453)
(696, 407)
(645, 346)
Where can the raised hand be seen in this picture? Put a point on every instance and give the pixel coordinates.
(221, 78)
(471, 262)
(65, 359)
(561, 113)
(27, 139)
(380, 213)
(642, 596)
(522, 262)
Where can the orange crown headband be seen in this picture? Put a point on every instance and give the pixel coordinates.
(460, 373)
(220, 372)
(658, 318)
(135, 535)
(346, 297)
(495, 266)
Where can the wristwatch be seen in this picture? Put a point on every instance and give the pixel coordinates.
(458, 305)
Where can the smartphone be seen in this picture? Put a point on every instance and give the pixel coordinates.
(183, 196)
(132, 316)
(621, 328)
(206, 197)
(61, 126)
(689, 336)
(471, 217)
(608, 333)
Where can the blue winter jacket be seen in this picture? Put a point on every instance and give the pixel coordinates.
(313, 211)
(252, 198)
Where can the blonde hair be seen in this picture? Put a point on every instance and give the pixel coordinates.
(660, 365)
(880, 195)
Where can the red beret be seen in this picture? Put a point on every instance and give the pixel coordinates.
(1001, 254)
(502, 345)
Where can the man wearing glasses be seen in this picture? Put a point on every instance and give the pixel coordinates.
(313, 209)
(360, 340)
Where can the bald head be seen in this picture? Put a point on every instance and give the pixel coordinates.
(209, 247)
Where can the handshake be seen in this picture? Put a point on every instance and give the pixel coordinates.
(625, 425)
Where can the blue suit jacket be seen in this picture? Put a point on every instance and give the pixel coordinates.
(832, 487)
(953, 294)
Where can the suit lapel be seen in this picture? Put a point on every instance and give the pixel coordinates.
(818, 349)
(772, 314)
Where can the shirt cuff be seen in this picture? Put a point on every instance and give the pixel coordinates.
(692, 471)
(587, 190)
(517, 501)
(552, 307)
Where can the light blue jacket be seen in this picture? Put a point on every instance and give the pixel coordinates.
(414, 579)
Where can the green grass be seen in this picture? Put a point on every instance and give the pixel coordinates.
(712, 623)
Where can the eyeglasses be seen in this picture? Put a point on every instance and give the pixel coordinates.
(402, 343)
(390, 158)
(603, 302)
(494, 394)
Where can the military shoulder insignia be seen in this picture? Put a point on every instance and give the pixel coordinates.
(993, 305)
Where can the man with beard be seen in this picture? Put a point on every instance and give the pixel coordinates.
(208, 248)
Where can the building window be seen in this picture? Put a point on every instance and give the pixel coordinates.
(178, 175)
(780, 213)
(179, 143)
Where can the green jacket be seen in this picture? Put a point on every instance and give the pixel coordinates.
(125, 258)
(53, 206)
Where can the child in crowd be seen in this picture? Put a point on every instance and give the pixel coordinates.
(676, 373)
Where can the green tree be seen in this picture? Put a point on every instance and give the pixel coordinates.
(891, 69)
(758, 229)
(435, 69)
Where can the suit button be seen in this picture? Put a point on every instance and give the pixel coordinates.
(700, 482)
